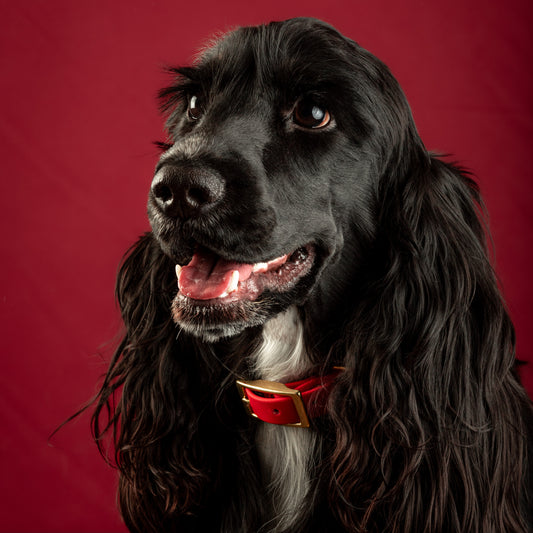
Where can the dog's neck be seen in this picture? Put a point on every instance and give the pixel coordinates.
(281, 356)
(285, 453)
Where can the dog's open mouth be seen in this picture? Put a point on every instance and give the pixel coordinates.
(209, 278)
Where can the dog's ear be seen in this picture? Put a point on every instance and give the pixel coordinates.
(429, 401)
(144, 290)
(152, 430)
(174, 454)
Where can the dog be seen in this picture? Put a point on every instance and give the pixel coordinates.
(314, 336)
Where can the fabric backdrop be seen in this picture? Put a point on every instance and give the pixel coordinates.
(78, 82)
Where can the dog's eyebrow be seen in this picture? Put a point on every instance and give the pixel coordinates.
(186, 80)
(187, 73)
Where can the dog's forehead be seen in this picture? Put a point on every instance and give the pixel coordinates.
(297, 52)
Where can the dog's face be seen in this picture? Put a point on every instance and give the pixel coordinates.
(278, 140)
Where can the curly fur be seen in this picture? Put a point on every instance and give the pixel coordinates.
(428, 428)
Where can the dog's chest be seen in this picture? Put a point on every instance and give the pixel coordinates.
(285, 452)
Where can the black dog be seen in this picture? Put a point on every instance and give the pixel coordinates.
(316, 240)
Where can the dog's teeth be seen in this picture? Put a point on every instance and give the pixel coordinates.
(234, 282)
(260, 267)
(178, 270)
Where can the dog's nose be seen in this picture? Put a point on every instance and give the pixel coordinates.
(186, 193)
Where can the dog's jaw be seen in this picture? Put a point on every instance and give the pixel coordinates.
(231, 304)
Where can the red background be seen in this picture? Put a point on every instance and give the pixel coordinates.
(78, 85)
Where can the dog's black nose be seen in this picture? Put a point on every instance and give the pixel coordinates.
(186, 193)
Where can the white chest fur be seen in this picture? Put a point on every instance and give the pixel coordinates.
(285, 452)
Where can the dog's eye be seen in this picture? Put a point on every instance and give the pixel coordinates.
(195, 108)
(309, 114)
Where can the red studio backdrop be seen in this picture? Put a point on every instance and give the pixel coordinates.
(79, 116)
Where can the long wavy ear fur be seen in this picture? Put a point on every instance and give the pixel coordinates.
(162, 400)
(431, 422)
(153, 444)
(136, 388)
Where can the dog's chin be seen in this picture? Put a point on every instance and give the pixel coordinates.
(212, 322)
(264, 294)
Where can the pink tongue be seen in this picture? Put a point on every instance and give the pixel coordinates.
(209, 276)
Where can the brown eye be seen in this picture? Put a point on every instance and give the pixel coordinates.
(195, 109)
(309, 114)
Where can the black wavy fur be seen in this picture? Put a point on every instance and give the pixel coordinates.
(428, 429)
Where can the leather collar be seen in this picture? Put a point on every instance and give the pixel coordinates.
(288, 404)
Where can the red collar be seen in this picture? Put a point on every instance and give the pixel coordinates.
(289, 404)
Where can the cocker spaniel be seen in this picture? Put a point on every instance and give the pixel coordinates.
(312, 265)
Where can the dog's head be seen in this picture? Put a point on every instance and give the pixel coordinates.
(280, 134)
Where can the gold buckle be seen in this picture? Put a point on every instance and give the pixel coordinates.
(273, 387)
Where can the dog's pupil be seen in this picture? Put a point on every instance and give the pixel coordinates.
(194, 107)
(317, 113)
(309, 115)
